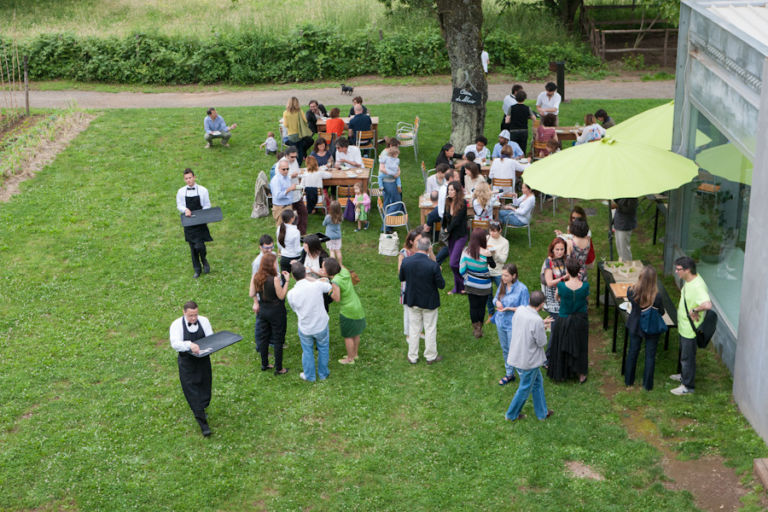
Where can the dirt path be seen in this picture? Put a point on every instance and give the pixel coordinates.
(613, 88)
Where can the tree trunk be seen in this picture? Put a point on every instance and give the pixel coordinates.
(461, 22)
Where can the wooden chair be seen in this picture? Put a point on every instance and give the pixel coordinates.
(482, 224)
(537, 148)
(408, 136)
(395, 219)
(366, 141)
(368, 163)
(504, 183)
(328, 137)
(344, 193)
(425, 174)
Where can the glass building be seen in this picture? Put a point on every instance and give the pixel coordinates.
(721, 218)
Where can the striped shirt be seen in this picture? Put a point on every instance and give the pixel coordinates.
(477, 279)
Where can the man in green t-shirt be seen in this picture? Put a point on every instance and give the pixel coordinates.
(695, 294)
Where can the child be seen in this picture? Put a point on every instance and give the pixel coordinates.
(270, 145)
(362, 204)
(332, 223)
(553, 146)
(312, 180)
(389, 176)
(393, 148)
(273, 170)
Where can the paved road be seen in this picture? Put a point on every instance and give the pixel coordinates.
(373, 94)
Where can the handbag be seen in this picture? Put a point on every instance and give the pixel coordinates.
(304, 130)
(706, 328)
(651, 322)
(349, 211)
(444, 236)
(591, 254)
(388, 244)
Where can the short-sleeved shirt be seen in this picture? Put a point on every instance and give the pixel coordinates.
(545, 101)
(306, 300)
(351, 307)
(695, 293)
(519, 114)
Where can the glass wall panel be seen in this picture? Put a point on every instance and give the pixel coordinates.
(716, 208)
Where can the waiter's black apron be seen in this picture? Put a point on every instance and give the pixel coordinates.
(196, 235)
(195, 374)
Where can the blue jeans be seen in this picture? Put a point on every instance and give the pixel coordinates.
(650, 360)
(504, 338)
(491, 305)
(509, 217)
(308, 342)
(531, 383)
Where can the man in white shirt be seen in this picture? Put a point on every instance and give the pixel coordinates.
(480, 149)
(306, 300)
(548, 101)
(190, 198)
(194, 372)
(509, 99)
(347, 154)
(526, 355)
(437, 180)
(297, 194)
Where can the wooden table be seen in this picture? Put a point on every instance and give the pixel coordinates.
(567, 132)
(426, 206)
(348, 177)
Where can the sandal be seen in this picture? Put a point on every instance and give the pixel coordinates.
(344, 360)
(268, 367)
(281, 372)
(506, 380)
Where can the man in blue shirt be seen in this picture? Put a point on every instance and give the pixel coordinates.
(504, 141)
(360, 122)
(281, 188)
(216, 128)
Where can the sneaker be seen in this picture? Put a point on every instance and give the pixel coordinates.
(207, 146)
(357, 229)
(366, 225)
(676, 377)
(302, 376)
(681, 390)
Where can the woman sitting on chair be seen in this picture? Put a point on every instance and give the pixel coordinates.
(520, 211)
(481, 202)
(472, 177)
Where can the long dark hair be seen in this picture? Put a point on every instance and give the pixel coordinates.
(473, 169)
(646, 288)
(458, 202)
(477, 240)
(314, 246)
(512, 269)
(287, 217)
(443, 150)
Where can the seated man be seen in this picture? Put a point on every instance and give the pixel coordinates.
(216, 128)
(504, 140)
(347, 154)
(479, 149)
(359, 123)
(316, 112)
(436, 181)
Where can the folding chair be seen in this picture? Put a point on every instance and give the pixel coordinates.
(366, 141)
(395, 216)
(508, 226)
(408, 136)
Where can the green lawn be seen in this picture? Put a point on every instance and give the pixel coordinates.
(95, 268)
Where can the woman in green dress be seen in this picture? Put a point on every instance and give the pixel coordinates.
(570, 332)
(351, 314)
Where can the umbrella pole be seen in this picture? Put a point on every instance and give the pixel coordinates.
(610, 231)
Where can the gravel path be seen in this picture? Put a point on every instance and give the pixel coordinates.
(373, 94)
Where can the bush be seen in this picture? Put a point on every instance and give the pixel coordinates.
(305, 54)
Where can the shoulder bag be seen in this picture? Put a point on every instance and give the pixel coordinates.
(706, 329)
(651, 322)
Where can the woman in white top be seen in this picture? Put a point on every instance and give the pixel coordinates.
(288, 240)
(499, 247)
(314, 255)
(312, 181)
(481, 202)
(472, 176)
(592, 130)
(520, 211)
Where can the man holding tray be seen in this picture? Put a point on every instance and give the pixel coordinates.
(188, 199)
(194, 371)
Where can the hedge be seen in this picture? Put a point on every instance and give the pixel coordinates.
(304, 55)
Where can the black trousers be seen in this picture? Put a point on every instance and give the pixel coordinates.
(477, 305)
(311, 193)
(521, 137)
(270, 329)
(198, 252)
(196, 380)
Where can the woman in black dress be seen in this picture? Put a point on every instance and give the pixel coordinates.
(268, 291)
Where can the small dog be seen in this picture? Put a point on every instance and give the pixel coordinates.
(346, 89)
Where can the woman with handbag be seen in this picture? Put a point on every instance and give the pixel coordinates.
(296, 127)
(645, 321)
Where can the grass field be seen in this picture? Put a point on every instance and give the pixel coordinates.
(94, 270)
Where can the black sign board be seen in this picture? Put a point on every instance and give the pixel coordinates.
(466, 96)
(202, 217)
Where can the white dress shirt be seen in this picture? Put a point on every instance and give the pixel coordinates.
(198, 190)
(545, 101)
(432, 184)
(442, 193)
(505, 168)
(353, 155)
(485, 154)
(178, 342)
(524, 207)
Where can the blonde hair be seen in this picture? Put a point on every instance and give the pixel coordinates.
(311, 164)
(357, 188)
(293, 105)
(483, 194)
(334, 211)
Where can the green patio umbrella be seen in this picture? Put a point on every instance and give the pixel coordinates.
(608, 169)
(726, 161)
(652, 127)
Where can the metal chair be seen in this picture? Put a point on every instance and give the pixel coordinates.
(395, 216)
(408, 136)
(366, 141)
(507, 226)
(425, 174)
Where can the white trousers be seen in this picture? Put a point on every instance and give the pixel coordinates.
(622, 245)
(419, 319)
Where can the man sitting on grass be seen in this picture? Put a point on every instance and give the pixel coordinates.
(216, 128)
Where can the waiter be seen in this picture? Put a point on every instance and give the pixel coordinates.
(189, 198)
(194, 372)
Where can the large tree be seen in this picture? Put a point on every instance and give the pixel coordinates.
(461, 22)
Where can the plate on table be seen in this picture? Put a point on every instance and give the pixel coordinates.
(523, 160)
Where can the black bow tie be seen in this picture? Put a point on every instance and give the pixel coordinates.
(190, 324)
(190, 188)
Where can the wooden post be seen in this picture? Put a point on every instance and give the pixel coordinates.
(26, 82)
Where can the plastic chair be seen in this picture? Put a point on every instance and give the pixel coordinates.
(408, 136)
